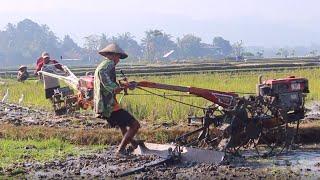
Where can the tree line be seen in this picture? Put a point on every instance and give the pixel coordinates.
(23, 43)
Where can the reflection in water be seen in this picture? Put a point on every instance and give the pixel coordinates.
(303, 161)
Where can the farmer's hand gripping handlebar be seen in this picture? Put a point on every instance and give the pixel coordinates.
(125, 84)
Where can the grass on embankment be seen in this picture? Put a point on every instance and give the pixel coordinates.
(156, 109)
(309, 132)
(17, 151)
(97, 136)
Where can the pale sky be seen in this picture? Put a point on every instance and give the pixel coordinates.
(256, 22)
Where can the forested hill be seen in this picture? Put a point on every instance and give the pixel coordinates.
(22, 43)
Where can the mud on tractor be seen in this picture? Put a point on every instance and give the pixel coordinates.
(259, 122)
(232, 124)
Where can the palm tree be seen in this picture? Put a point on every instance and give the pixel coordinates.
(156, 43)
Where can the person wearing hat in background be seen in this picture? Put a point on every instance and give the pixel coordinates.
(105, 102)
(22, 73)
(46, 64)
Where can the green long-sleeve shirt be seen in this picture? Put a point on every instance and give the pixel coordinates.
(104, 85)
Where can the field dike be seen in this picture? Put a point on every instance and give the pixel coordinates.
(21, 123)
(24, 123)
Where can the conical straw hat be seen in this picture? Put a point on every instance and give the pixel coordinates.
(22, 67)
(45, 55)
(113, 48)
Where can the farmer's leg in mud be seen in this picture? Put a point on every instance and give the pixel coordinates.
(129, 127)
(128, 135)
(134, 143)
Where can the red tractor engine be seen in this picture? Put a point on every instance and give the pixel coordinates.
(287, 93)
(66, 101)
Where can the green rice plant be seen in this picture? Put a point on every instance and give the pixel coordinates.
(32, 90)
(15, 151)
(156, 109)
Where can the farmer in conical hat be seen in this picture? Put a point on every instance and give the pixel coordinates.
(105, 102)
(22, 73)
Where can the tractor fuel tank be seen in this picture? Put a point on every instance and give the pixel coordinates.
(287, 85)
(288, 93)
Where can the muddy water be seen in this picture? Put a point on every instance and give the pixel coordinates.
(299, 164)
(313, 111)
(303, 161)
(299, 160)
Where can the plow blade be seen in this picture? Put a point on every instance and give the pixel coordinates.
(187, 154)
(166, 156)
(142, 168)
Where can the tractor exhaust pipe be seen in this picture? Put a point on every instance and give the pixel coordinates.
(260, 79)
(259, 85)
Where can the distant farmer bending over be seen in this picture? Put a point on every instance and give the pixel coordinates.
(105, 90)
(48, 65)
(22, 74)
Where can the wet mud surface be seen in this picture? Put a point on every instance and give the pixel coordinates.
(313, 111)
(294, 165)
(24, 116)
(302, 163)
